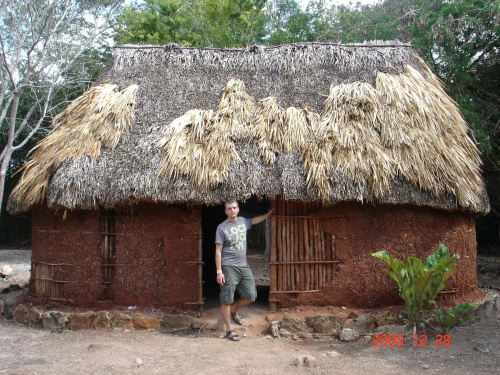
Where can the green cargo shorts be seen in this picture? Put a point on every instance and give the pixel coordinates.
(238, 279)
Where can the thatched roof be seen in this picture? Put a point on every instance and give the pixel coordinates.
(309, 122)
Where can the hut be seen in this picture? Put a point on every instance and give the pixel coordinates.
(357, 146)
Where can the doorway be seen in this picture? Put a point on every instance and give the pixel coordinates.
(211, 217)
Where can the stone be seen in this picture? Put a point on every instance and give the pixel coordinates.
(284, 333)
(326, 324)
(275, 329)
(305, 361)
(176, 322)
(8, 308)
(54, 320)
(213, 325)
(80, 321)
(197, 323)
(496, 302)
(489, 308)
(123, 321)
(102, 320)
(391, 330)
(34, 317)
(5, 271)
(348, 323)
(11, 288)
(333, 354)
(386, 318)
(143, 322)
(292, 324)
(397, 330)
(20, 314)
(484, 310)
(139, 362)
(364, 324)
(349, 334)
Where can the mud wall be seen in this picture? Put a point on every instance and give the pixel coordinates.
(150, 256)
(361, 280)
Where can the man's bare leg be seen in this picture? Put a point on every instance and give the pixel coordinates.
(239, 304)
(227, 310)
(226, 315)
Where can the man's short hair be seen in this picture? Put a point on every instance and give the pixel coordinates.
(230, 201)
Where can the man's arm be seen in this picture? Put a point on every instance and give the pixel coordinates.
(218, 263)
(261, 218)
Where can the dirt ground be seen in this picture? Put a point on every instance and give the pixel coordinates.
(473, 349)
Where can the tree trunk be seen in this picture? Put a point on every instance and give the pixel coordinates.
(3, 172)
(9, 147)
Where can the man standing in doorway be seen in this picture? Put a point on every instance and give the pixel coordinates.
(233, 271)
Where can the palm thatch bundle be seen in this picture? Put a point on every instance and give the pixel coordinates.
(197, 146)
(235, 110)
(211, 124)
(404, 127)
(269, 129)
(96, 119)
(278, 130)
(200, 144)
(430, 145)
(349, 123)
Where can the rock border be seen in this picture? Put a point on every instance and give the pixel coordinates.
(319, 326)
(58, 321)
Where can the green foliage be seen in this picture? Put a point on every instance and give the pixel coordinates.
(156, 22)
(446, 320)
(288, 23)
(460, 41)
(201, 23)
(418, 282)
(224, 23)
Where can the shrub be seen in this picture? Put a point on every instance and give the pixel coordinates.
(419, 283)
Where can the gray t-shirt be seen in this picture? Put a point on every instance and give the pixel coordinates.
(233, 237)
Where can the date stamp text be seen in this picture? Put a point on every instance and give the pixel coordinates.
(418, 340)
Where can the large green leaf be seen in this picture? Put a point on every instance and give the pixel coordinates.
(419, 283)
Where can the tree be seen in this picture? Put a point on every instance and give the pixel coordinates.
(460, 41)
(46, 49)
(200, 23)
(288, 23)
(157, 22)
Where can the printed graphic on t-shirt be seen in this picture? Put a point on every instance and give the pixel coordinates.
(236, 237)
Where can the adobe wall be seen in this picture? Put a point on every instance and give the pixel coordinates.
(156, 259)
(361, 280)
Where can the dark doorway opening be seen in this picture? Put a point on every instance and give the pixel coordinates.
(211, 217)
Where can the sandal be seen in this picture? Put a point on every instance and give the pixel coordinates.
(237, 318)
(232, 336)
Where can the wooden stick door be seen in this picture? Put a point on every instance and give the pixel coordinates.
(301, 256)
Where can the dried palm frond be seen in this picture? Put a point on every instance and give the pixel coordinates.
(300, 125)
(278, 130)
(428, 136)
(198, 147)
(317, 161)
(97, 118)
(269, 129)
(350, 124)
(200, 144)
(236, 109)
